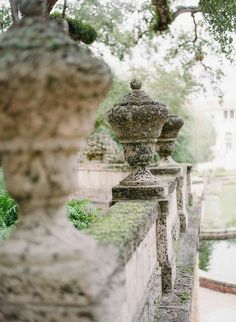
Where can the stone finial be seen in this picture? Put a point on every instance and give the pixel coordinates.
(102, 148)
(136, 84)
(138, 121)
(166, 142)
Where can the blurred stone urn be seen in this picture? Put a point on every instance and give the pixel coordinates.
(166, 142)
(51, 88)
(138, 121)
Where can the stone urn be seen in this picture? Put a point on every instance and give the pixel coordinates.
(50, 91)
(51, 88)
(166, 142)
(138, 121)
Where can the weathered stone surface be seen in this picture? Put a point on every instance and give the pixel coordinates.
(51, 90)
(179, 171)
(182, 203)
(165, 248)
(138, 121)
(131, 227)
(153, 296)
(166, 171)
(166, 142)
(48, 266)
(95, 179)
(139, 193)
(179, 305)
(125, 225)
(49, 83)
(189, 185)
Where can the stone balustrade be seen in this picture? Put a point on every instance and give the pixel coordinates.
(130, 265)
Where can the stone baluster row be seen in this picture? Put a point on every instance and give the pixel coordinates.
(142, 124)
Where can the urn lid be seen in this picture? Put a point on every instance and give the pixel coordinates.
(137, 116)
(172, 127)
(137, 96)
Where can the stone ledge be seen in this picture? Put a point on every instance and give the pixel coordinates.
(177, 306)
(212, 283)
(173, 170)
(102, 166)
(154, 192)
(125, 225)
(218, 234)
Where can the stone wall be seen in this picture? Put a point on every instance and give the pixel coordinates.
(133, 231)
(96, 180)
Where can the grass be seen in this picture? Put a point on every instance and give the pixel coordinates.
(228, 204)
(82, 213)
(220, 205)
(8, 211)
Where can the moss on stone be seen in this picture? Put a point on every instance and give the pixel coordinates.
(184, 297)
(78, 29)
(122, 222)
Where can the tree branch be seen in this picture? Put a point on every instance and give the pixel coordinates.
(195, 28)
(181, 10)
(50, 4)
(64, 9)
(14, 4)
(163, 14)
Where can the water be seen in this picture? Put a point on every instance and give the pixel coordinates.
(219, 259)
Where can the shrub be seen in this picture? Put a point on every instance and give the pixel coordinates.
(81, 31)
(8, 210)
(78, 29)
(81, 213)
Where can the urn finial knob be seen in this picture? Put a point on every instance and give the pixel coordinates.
(136, 84)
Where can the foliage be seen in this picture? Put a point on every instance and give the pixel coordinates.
(221, 17)
(184, 297)
(81, 213)
(8, 210)
(5, 18)
(110, 22)
(205, 252)
(117, 92)
(79, 30)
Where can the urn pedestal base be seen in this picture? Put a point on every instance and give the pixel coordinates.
(153, 192)
(179, 171)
